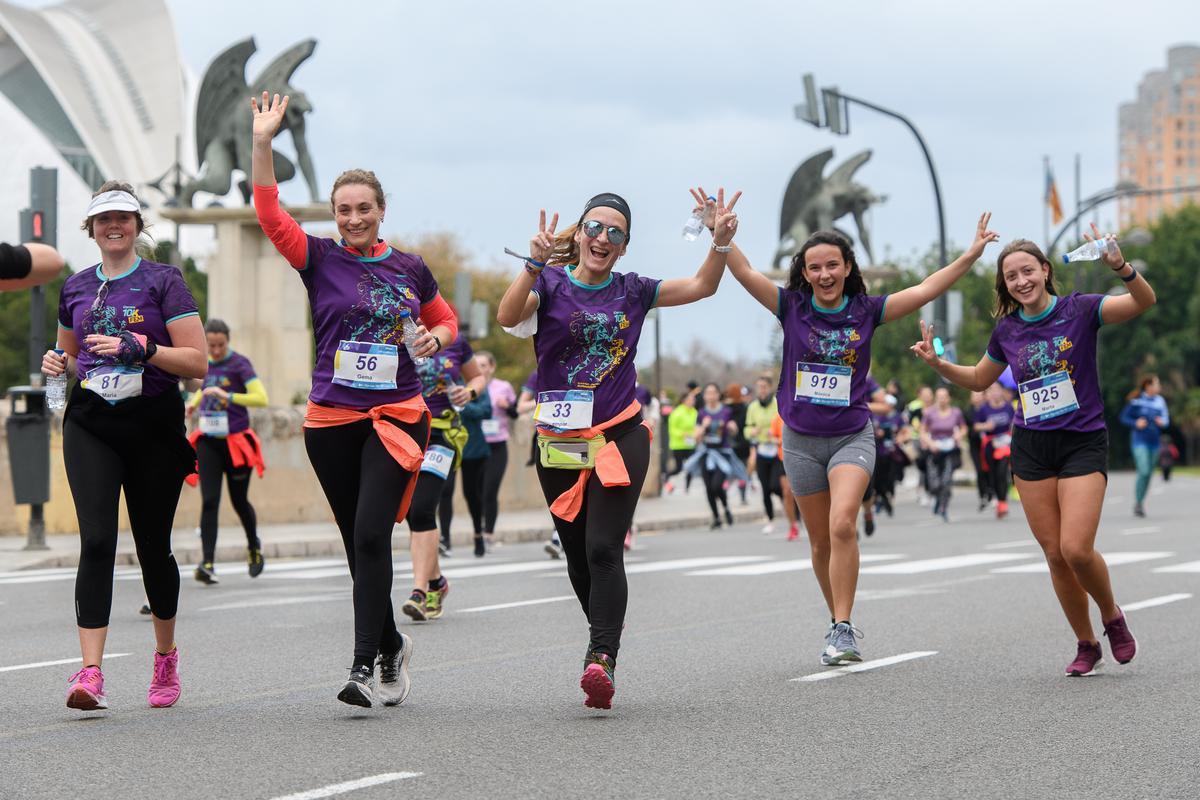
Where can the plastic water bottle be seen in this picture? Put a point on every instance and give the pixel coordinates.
(1088, 251)
(56, 389)
(409, 331)
(694, 224)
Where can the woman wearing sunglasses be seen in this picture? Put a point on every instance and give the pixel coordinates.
(593, 446)
(828, 321)
(129, 329)
(366, 426)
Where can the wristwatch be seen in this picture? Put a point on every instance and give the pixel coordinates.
(439, 342)
(474, 394)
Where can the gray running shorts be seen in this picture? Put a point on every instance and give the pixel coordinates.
(808, 459)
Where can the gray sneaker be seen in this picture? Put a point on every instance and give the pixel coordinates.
(825, 651)
(842, 649)
(394, 685)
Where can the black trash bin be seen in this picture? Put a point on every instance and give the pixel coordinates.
(28, 428)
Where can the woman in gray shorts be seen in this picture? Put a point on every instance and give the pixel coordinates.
(828, 320)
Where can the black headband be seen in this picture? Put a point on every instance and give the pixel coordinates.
(613, 201)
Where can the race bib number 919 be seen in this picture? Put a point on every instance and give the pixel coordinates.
(823, 384)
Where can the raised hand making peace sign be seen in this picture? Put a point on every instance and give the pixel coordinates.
(541, 246)
(718, 217)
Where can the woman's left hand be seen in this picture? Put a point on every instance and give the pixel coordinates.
(425, 345)
(103, 346)
(1112, 255)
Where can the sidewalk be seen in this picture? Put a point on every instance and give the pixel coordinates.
(301, 540)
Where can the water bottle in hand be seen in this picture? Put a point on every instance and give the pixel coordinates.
(409, 330)
(1088, 251)
(56, 389)
(693, 226)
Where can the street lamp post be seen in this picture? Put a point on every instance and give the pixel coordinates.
(837, 119)
(1118, 191)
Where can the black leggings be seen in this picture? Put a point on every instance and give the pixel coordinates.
(714, 489)
(997, 475)
(768, 470)
(473, 473)
(364, 486)
(212, 455)
(97, 471)
(939, 473)
(594, 542)
(426, 504)
(983, 482)
(493, 475)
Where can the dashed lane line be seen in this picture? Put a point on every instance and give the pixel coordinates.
(350, 786)
(864, 666)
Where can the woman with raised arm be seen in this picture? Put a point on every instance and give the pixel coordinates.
(1059, 442)
(129, 329)
(594, 449)
(366, 426)
(828, 320)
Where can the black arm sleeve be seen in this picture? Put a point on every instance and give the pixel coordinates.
(15, 261)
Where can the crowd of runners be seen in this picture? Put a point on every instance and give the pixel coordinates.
(402, 409)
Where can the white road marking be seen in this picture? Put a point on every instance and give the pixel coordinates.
(57, 663)
(1155, 601)
(499, 606)
(279, 601)
(691, 563)
(864, 666)
(946, 562)
(349, 786)
(892, 594)
(1005, 545)
(1190, 566)
(1112, 559)
(773, 567)
(1136, 531)
(1115, 499)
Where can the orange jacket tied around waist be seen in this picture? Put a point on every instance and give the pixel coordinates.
(400, 446)
(610, 466)
(245, 450)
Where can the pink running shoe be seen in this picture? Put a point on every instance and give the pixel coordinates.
(793, 532)
(164, 686)
(87, 690)
(1120, 640)
(1087, 661)
(598, 681)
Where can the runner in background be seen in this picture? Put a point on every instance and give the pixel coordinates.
(594, 447)
(681, 434)
(983, 483)
(891, 434)
(475, 454)
(916, 408)
(1145, 414)
(496, 433)
(129, 330)
(1060, 441)
(789, 499)
(768, 464)
(736, 397)
(525, 405)
(943, 430)
(993, 422)
(714, 460)
(226, 446)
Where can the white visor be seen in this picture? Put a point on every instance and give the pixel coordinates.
(113, 201)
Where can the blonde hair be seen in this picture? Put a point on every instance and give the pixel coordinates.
(362, 177)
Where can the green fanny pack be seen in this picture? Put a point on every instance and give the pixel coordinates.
(568, 452)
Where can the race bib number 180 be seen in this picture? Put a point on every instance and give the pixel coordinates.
(438, 460)
(365, 365)
(1048, 397)
(570, 410)
(823, 384)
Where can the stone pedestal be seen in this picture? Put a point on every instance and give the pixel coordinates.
(252, 288)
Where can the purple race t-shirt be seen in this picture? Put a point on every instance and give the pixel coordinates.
(942, 426)
(814, 339)
(715, 425)
(587, 335)
(441, 371)
(358, 299)
(499, 390)
(1060, 339)
(231, 373)
(1001, 416)
(144, 299)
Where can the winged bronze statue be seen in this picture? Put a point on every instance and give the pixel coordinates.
(223, 126)
(813, 202)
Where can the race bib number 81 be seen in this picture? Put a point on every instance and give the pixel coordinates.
(1048, 397)
(114, 384)
(570, 410)
(823, 384)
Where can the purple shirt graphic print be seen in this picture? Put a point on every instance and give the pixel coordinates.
(587, 336)
(359, 299)
(441, 371)
(143, 299)
(824, 347)
(1061, 341)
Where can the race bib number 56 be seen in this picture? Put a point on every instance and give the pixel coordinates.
(365, 365)
(823, 384)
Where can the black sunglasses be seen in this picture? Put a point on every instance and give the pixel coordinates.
(101, 295)
(592, 228)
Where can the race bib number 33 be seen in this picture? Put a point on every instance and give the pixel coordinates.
(570, 410)
(1048, 397)
(823, 384)
(365, 365)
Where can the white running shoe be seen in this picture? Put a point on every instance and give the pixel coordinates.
(768, 529)
(394, 685)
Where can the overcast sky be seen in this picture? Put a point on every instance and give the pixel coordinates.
(476, 114)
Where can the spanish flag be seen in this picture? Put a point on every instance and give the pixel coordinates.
(1056, 212)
